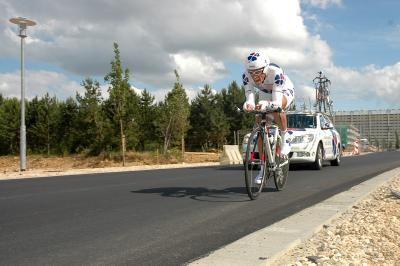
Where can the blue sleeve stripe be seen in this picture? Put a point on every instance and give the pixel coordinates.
(275, 65)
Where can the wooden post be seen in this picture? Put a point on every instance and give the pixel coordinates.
(183, 149)
(123, 150)
(157, 157)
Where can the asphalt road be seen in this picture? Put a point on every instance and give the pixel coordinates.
(160, 217)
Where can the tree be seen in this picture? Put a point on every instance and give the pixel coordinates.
(200, 119)
(67, 128)
(173, 115)
(209, 126)
(120, 100)
(91, 117)
(219, 123)
(41, 123)
(233, 98)
(9, 126)
(146, 120)
(131, 119)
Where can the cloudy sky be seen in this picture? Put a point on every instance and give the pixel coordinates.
(355, 43)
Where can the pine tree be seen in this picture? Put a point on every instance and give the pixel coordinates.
(131, 119)
(41, 124)
(146, 121)
(200, 119)
(91, 117)
(233, 98)
(122, 103)
(68, 129)
(209, 126)
(9, 126)
(219, 123)
(173, 116)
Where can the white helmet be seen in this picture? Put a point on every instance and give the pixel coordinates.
(257, 60)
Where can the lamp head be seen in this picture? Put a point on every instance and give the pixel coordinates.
(23, 23)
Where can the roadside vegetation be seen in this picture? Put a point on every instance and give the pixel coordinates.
(126, 122)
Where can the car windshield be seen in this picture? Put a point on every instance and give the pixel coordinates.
(301, 121)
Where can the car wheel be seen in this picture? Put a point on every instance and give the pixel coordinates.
(336, 161)
(318, 158)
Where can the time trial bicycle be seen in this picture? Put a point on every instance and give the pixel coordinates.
(263, 154)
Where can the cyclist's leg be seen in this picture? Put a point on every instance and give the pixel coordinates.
(281, 120)
(280, 117)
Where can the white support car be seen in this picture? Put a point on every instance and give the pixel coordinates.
(314, 139)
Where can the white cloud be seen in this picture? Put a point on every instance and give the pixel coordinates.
(192, 93)
(305, 95)
(370, 83)
(38, 83)
(195, 37)
(194, 68)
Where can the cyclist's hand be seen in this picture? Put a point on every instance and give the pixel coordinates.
(248, 107)
(262, 106)
(265, 106)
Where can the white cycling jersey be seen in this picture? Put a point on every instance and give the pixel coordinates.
(275, 85)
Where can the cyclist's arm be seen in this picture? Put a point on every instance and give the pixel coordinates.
(276, 100)
(277, 96)
(249, 92)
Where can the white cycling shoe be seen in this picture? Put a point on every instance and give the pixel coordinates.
(258, 178)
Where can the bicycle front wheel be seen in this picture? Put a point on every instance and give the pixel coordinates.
(255, 164)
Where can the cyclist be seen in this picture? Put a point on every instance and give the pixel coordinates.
(276, 93)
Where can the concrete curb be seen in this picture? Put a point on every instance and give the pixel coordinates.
(265, 246)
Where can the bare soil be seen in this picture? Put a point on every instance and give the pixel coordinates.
(62, 163)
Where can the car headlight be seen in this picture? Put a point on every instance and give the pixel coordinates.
(307, 138)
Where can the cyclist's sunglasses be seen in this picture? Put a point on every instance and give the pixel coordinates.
(256, 72)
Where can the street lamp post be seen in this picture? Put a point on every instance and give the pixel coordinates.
(23, 23)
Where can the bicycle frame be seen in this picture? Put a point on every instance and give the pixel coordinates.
(270, 146)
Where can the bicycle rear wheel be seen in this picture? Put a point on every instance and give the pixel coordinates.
(254, 164)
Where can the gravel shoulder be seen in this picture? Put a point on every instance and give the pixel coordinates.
(366, 234)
